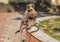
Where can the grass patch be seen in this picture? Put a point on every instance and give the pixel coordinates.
(51, 27)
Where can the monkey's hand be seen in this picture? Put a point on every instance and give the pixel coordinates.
(17, 31)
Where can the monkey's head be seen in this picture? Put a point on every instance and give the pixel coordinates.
(30, 7)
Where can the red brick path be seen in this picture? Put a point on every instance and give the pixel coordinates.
(3, 21)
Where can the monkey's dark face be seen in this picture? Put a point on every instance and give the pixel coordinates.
(29, 8)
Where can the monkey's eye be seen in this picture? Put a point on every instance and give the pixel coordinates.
(33, 6)
(28, 7)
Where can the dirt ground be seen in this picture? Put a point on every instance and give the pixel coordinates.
(3, 22)
(9, 24)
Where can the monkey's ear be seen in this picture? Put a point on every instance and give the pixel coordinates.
(33, 5)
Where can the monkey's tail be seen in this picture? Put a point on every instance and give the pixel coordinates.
(35, 30)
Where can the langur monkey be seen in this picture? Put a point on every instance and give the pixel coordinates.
(30, 18)
(30, 15)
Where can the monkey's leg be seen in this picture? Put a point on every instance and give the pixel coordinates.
(23, 29)
(20, 28)
(23, 40)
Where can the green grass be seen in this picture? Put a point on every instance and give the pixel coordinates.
(52, 26)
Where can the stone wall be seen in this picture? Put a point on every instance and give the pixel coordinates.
(31, 38)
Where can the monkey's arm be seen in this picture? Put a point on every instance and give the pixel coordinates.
(26, 14)
(36, 14)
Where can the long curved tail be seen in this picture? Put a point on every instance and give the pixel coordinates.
(35, 30)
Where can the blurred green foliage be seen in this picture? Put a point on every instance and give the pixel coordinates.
(52, 26)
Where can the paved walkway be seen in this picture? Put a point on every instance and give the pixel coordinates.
(11, 27)
(3, 22)
(9, 24)
(40, 34)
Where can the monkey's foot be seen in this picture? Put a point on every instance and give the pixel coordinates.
(17, 31)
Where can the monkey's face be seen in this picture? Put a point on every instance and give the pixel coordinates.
(30, 7)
